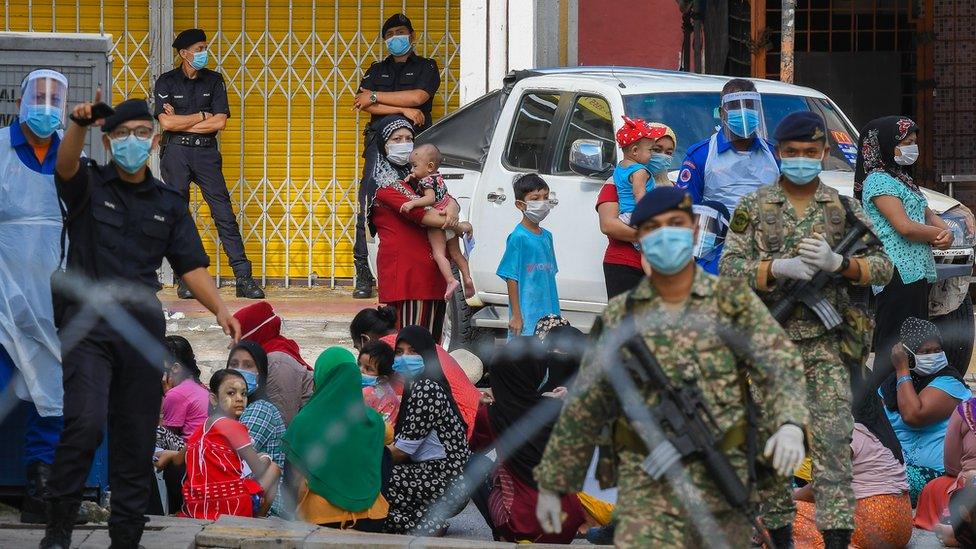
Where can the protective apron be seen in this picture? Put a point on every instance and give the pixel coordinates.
(30, 248)
(731, 175)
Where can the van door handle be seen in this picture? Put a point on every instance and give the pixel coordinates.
(496, 197)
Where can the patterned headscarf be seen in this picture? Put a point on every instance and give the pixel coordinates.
(547, 323)
(877, 150)
(635, 129)
(668, 132)
(915, 332)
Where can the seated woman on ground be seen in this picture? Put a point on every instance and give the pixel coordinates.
(262, 418)
(337, 443)
(960, 463)
(919, 399)
(378, 381)
(430, 446)
(225, 475)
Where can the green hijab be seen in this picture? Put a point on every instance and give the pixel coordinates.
(335, 439)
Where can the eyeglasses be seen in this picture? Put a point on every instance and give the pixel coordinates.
(141, 132)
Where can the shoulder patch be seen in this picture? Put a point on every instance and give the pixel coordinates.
(685, 176)
(740, 220)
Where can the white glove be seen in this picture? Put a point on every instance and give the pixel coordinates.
(817, 252)
(548, 511)
(795, 267)
(786, 449)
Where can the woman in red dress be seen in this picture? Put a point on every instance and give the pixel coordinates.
(407, 276)
(222, 464)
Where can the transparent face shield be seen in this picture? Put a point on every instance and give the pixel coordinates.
(742, 115)
(44, 94)
(711, 226)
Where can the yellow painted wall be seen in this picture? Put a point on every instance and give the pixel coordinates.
(292, 146)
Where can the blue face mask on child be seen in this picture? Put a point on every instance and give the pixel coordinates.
(668, 249)
(408, 365)
(250, 378)
(368, 380)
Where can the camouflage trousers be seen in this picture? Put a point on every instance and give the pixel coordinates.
(648, 514)
(829, 402)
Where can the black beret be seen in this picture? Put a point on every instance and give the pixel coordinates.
(801, 126)
(396, 20)
(130, 109)
(189, 37)
(658, 201)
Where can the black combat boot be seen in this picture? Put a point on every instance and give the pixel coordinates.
(33, 508)
(247, 287)
(125, 536)
(837, 539)
(364, 281)
(182, 291)
(782, 537)
(61, 514)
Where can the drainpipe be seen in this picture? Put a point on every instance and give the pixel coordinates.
(786, 46)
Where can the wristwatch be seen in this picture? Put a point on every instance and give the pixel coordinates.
(372, 97)
(844, 264)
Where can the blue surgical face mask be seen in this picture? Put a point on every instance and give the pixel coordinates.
(368, 380)
(131, 153)
(742, 122)
(399, 44)
(801, 170)
(200, 59)
(668, 249)
(250, 378)
(43, 120)
(929, 364)
(659, 162)
(408, 365)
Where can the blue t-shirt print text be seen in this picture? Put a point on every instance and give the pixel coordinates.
(530, 260)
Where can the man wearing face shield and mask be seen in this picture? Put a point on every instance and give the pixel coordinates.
(122, 222)
(737, 159)
(403, 84)
(705, 331)
(30, 251)
(712, 221)
(788, 232)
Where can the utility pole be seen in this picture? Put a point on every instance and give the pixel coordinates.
(786, 44)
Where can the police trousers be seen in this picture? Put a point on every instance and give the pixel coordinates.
(107, 379)
(831, 423)
(180, 165)
(364, 194)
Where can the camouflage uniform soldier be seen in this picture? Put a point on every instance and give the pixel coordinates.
(684, 315)
(770, 242)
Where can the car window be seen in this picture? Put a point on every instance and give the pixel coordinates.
(533, 123)
(590, 119)
(694, 116)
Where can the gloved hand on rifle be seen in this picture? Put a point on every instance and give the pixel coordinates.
(786, 449)
(817, 253)
(795, 268)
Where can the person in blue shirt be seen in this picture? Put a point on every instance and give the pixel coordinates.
(31, 248)
(919, 398)
(528, 265)
(737, 159)
(712, 220)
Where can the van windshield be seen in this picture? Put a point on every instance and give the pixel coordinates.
(694, 116)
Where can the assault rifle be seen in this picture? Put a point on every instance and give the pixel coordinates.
(809, 292)
(690, 427)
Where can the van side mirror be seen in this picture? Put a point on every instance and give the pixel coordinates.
(586, 158)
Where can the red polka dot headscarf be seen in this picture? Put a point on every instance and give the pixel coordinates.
(636, 129)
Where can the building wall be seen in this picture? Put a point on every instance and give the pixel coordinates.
(954, 141)
(642, 33)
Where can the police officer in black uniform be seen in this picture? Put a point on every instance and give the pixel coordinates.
(403, 83)
(121, 223)
(191, 106)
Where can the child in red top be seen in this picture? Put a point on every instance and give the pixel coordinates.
(379, 392)
(427, 182)
(221, 463)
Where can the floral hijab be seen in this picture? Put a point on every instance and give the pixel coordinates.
(877, 151)
(384, 172)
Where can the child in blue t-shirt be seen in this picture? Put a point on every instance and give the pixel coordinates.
(632, 177)
(529, 263)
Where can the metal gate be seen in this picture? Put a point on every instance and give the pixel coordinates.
(292, 147)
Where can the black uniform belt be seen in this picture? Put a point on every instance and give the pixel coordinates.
(192, 140)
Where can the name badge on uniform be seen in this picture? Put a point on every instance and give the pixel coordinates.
(408, 74)
(109, 205)
(159, 218)
(206, 95)
(177, 97)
